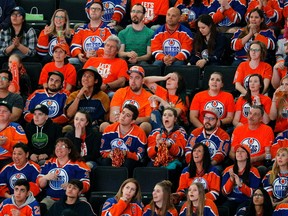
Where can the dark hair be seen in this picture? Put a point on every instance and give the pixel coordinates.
(77, 183)
(88, 117)
(138, 4)
(258, 107)
(10, 77)
(195, 2)
(181, 90)
(23, 146)
(206, 160)
(133, 109)
(247, 97)
(171, 109)
(74, 154)
(99, 3)
(245, 175)
(207, 20)
(267, 204)
(263, 50)
(23, 182)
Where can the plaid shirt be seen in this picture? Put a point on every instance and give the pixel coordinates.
(29, 40)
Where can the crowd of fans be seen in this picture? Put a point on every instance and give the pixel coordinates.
(220, 149)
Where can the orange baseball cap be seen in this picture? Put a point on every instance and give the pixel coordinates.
(137, 69)
(63, 46)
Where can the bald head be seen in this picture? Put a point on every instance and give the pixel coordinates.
(173, 17)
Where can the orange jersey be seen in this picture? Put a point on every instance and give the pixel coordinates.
(109, 69)
(282, 121)
(253, 138)
(223, 102)
(205, 2)
(126, 96)
(244, 71)
(282, 72)
(154, 8)
(14, 134)
(280, 141)
(68, 70)
(209, 209)
(170, 212)
(244, 107)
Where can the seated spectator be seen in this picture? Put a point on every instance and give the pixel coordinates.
(18, 38)
(190, 11)
(251, 134)
(217, 140)
(255, 65)
(213, 97)
(90, 97)
(166, 144)
(279, 106)
(227, 14)
(136, 38)
(11, 133)
(124, 143)
(133, 94)
(209, 44)
(20, 168)
(6, 7)
(89, 39)
(259, 205)
(239, 180)
(161, 202)
(255, 30)
(280, 141)
(85, 139)
(58, 31)
(61, 64)
(281, 210)
(24, 85)
(199, 170)
(273, 180)
(127, 201)
(71, 204)
(172, 42)
(53, 96)
(113, 70)
(22, 202)
(252, 97)
(42, 134)
(13, 99)
(173, 95)
(197, 203)
(65, 164)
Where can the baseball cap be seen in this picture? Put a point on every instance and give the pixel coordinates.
(6, 104)
(44, 109)
(93, 70)
(212, 111)
(137, 69)
(246, 147)
(77, 183)
(63, 46)
(58, 74)
(20, 10)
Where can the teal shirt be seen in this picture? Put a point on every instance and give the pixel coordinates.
(136, 40)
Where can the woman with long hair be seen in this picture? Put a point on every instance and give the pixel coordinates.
(257, 30)
(255, 65)
(58, 31)
(239, 180)
(86, 140)
(127, 201)
(161, 204)
(197, 204)
(252, 97)
(260, 205)
(210, 43)
(279, 106)
(213, 97)
(199, 170)
(173, 95)
(273, 181)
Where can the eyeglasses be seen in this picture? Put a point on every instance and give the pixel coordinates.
(136, 11)
(254, 50)
(60, 17)
(95, 9)
(4, 78)
(61, 146)
(209, 118)
(16, 14)
(257, 195)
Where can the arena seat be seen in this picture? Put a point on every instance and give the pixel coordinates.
(152, 70)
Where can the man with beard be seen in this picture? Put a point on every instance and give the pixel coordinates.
(136, 38)
(133, 94)
(54, 97)
(217, 140)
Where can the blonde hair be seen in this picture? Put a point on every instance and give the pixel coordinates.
(201, 201)
(137, 197)
(66, 27)
(275, 169)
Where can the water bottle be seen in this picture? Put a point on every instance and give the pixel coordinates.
(268, 162)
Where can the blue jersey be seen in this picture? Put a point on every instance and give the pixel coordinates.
(114, 10)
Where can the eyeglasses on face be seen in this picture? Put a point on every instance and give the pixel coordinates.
(137, 11)
(209, 118)
(95, 9)
(4, 78)
(16, 15)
